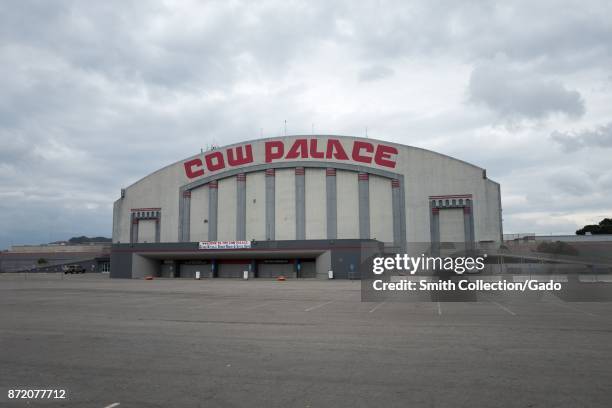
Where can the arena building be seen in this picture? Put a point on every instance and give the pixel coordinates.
(297, 206)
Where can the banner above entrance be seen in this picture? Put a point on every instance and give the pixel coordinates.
(224, 244)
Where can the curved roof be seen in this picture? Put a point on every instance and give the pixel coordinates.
(308, 135)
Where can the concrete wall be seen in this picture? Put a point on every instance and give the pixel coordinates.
(427, 174)
(490, 217)
(256, 206)
(198, 228)
(285, 204)
(451, 225)
(226, 227)
(381, 209)
(316, 220)
(158, 190)
(142, 266)
(348, 206)
(146, 231)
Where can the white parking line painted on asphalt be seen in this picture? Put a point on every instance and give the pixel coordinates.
(439, 309)
(504, 308)
(376, 307)
(318, 306)
(113, 405)
(573, 308)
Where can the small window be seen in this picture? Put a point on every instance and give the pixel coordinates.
(446, 202)
(461, 201)
(454, 202)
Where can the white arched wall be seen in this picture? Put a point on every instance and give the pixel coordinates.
(347, 203)
(316, 210)
(256, 205)
(381, 209)
(198, 220)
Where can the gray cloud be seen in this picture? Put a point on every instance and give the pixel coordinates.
(97, 95)
(375, 73)
(479, 30)
(600, 137)
(572, 182)
(519, 94)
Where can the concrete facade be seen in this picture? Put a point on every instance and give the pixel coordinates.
(267, 259)
(316, 210)
(312, 188)
(255, 206)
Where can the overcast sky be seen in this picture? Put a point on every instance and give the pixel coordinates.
(95, 95)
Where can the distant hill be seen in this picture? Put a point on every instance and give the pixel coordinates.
(83, 240)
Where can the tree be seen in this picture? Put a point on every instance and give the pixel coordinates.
(42, 261)
(604, 227)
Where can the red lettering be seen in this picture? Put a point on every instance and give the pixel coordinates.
(214, 166)
(299, 148)
(274, 150)
(241, 157)
(383, 156)
(313, 150)
(335, 150)
(193, 168)
(358, 147)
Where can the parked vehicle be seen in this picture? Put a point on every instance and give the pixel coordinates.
(73, 269)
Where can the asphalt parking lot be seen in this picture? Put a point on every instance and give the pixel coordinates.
(309, 343)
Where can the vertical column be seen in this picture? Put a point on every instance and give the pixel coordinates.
(213, 199)
(134, 229)
(396, 204)
(300, 204)
(270, 212)
(158, 227)
(332, 206)
(186, 216)
(468, 224)
(241, 206)
(434, 227)
(364, 205)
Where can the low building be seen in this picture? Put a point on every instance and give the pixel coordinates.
(93, 257)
